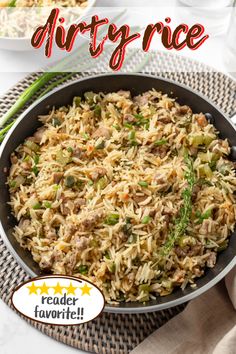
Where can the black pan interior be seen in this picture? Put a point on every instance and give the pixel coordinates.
(108, 83)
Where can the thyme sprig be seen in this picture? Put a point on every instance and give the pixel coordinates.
(181, 223)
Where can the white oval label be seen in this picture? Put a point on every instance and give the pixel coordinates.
(58, 300)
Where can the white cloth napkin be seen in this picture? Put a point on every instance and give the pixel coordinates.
(206, 326)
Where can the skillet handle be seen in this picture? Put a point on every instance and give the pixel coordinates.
(233, 118)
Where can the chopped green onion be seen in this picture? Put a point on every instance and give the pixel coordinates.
(132, 238)
(128, 125)
(102, 183)
(35, 170)
(82, 269)
(37, 206)
(146, 219)
(113, 268)
(112, 219)
(117, 127)
(56, 122)
(85, 136)
(47, 205)
(77, 101)
(70, 181)
(143, 184)
(90, 182)
(12, 3)
(132, 135)
(100, 146)
(133, 143)
(36, 159)
(56, 187)
(90, 97)
(12, 184)
(97, 111)
(160, 142)
(69, 149)
(107, 255)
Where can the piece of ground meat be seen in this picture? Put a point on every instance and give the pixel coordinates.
(211, 261)
(97, 173)
(102, 132)
(125, 94)
(81, 242)
(92, 220)
(39, 135)
(129, 118)
(57, 177)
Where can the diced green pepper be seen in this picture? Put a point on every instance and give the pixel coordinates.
(144, 287)
(146, 219)
(112, 219)
(32, 146)
(143, 184)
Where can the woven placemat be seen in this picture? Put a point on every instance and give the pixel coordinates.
(116, 333)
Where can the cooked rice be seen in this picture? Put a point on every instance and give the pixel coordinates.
(97, 191)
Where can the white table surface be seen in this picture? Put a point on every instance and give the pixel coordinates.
(16, 336)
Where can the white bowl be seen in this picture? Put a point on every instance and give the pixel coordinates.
(24, 43)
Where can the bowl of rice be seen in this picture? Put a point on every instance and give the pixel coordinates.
(20, 18)
(124, 180)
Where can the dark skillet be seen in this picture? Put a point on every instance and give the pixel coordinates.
(28, 123)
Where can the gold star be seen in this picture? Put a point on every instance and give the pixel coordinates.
(57, 289)
(85, 289)
(44, 289)
(71, 289)
(32, 289)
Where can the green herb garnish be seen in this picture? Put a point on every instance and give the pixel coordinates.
(182, 221)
